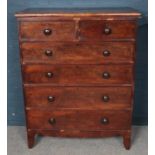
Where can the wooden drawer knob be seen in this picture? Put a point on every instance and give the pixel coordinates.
(49, 74)
(47, 32)
(106, 75)
(51, 98)
(106, 53)
(48, 53)
(52, 121)
(104, 120)
(106, 98)
(107, 30)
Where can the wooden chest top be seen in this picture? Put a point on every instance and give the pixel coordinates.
(75, 12)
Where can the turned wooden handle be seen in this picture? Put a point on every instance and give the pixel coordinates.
(106, 53)
(104, 121)
(49, 74)
(107, 30)
(52, 121)
(106, 98)
(47, 32)
(51, 98)
(48, 53)
(106, 75)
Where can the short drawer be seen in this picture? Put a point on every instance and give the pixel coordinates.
(79, 119)
(78, 97)
(107, 30)
(73, 75)
(80, 53)
(47, 31)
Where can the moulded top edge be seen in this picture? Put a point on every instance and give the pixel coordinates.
(73, 12)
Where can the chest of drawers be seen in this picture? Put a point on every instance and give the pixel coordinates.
(78, 71)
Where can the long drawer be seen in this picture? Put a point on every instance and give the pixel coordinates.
(78, 74)
(77, 53)
(79, 119)
(78, 97)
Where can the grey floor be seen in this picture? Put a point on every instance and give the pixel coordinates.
(17, 144)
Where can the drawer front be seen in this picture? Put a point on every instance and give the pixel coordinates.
(53, 31)
(81, 120)
(78, 97)
(78, 74)
(107, 30)
(55, 53)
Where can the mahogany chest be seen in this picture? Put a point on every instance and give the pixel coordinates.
(78, 71)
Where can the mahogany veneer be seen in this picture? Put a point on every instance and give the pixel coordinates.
(77, 53)
(78, 71)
